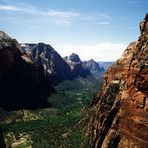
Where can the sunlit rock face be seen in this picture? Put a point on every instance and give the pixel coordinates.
(120, 110)
(53, 63)
(55, 68)
(23, 83)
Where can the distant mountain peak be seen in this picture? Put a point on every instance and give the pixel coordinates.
(92, 60)
(94, 67)
(75, 65)
(74, 58)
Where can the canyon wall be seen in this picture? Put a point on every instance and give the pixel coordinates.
(119, 113)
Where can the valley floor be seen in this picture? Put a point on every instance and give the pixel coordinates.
(55, 127)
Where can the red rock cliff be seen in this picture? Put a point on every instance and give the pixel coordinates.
(120, 111)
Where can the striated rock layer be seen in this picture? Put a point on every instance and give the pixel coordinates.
(54, 66)
(120, 111)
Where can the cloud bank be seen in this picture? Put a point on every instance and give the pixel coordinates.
(106, 51)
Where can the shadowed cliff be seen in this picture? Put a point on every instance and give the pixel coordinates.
(22, 83)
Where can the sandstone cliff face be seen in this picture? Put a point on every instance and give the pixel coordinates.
(120, 111)
(22, 82)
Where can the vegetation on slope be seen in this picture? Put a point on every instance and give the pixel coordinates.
(55, 127)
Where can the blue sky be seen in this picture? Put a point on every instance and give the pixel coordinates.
(98, 29)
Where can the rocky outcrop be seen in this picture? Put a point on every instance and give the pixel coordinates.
(23, 83)
(144, 26)
(93, 67)
(120, 110)
(75, 64)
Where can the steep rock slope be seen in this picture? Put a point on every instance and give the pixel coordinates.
(120, 111)
(94, 67)
(22, 82)
(56, 69)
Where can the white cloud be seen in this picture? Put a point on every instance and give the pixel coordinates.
(66, 23)
(7, 19)
(98, 18)
(24, 8)
(102, 23)
(6, 1)
(63, 18)
(95, 17)
(106, 51)
(8, 8)
(102, 15)
(64, 14)
(35, 11)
